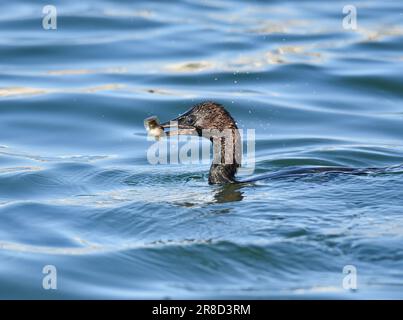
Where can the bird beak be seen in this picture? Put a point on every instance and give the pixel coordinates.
(176, 128)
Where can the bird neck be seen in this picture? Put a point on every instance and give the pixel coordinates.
(227, 157)
(221, 174)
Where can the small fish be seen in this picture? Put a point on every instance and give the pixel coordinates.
(153, 127)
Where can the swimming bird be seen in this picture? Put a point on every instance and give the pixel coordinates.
(212, 121)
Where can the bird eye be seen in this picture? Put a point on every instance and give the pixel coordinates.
(190, 120)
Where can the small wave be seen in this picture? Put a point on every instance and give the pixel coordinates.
(75, 158)
(69, 72)
(19, 169)
(94, 248)
(21, 91)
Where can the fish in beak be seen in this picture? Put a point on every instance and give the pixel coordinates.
(175, 127)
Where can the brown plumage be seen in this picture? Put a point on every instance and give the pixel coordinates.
(212, 121)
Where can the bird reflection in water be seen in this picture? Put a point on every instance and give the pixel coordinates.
(229, 193)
